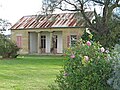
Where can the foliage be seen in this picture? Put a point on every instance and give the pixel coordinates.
(109, 40)
(8, 49)
(104, 26)
(114, 81)
(86, 68)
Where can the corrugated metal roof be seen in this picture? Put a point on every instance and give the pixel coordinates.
(51, 21)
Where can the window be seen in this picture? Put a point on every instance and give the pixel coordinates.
(43, 41)
(73, 39)
(19, 41)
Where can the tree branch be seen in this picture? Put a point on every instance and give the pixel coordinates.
(71, 4)
(87, 19)
(116, 4)
(99, 2)
(68, 2)
(67, 9)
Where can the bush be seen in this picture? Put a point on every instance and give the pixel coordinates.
(86, 68)
(8, 49)
(114, 81)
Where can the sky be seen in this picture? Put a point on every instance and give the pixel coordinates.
(13, 10)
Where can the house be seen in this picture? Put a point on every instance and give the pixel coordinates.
(49, 34)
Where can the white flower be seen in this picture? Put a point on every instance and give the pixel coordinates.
(102, 49)
(107, 51)
(86, 58)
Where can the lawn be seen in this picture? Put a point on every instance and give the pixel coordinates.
(29, 72)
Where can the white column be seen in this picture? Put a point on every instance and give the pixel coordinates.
(51, 43)
(38, 43)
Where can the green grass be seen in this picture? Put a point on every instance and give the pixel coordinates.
(29, 72)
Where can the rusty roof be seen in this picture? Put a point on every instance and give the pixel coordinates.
(51, 21)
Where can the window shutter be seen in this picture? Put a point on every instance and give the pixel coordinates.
(68, 41)
(19, 41)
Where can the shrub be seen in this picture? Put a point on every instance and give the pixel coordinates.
(86, 68)
(114, 81)
(8, 49)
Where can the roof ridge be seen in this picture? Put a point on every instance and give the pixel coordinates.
(56, 13)
(51, 14)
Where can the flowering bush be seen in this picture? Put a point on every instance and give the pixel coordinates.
(86, 68)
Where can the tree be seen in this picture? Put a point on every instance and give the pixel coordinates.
(8, 49)
(4, 25)
(103, 26)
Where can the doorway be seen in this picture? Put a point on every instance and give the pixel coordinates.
(43, 44)
(54, 41)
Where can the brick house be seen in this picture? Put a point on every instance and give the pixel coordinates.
(49, 34)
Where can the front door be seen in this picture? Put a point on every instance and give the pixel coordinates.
(43, 44)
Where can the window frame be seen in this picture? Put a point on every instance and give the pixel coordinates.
(72, 42)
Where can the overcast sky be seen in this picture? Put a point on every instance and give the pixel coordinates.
(13, 10)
